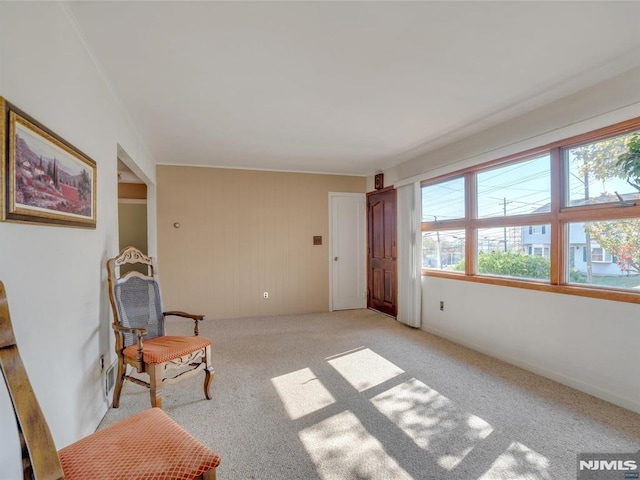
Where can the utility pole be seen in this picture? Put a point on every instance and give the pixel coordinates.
(438, 254)
(504, 207)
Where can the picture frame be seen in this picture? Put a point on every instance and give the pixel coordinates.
(3, 153)
(47, 180)
(379, 181)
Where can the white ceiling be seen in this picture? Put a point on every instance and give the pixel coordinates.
(343, 87)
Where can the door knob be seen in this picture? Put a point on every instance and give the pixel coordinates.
(335, 259)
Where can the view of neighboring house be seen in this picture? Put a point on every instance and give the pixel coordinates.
(536, 240)
(447, 252)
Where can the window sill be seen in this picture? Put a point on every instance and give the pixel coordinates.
(604, 293)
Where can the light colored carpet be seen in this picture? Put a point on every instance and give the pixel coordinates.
(357, 395)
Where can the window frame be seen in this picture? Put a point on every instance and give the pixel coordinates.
(559, 217)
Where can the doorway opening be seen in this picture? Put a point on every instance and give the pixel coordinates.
(132, 211)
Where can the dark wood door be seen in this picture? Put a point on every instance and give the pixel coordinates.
(381, 262)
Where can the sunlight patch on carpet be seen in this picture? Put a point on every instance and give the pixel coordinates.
(302, 393)
(341, 447)
(519, 462)
(432, 421)
(364, 368)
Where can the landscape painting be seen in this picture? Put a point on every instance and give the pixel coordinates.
(49, 180)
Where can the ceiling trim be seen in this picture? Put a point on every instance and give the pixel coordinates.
(274, 170)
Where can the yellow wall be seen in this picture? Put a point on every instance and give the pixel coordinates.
(243, 233)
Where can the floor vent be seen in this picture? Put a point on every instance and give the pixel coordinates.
(110, 378)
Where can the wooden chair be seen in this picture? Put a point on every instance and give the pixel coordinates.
(149, 445)
(137, 310)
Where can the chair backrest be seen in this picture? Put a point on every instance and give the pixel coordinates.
(39, 455)
(135, 297)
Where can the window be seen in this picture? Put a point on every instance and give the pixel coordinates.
(561, 218)
(615, 255)
(444, 200)
(505, 252)
(443, 250)
(599, 254)
(537, 229)
(515, 189)
(593, 176)
(539, 251)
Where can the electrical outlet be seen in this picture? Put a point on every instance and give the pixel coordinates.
(441, 306)
(265, 295)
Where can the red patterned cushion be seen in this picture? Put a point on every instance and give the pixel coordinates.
(147, 446)
(163, 349)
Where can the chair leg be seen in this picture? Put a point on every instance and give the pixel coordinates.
(209, 372)
(122, 370)
(210, 475)
(155, 384)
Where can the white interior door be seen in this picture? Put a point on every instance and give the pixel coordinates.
(347, 251)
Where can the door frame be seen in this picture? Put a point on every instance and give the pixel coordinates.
(362, 196)
(152, 229)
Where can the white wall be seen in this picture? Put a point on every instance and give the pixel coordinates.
(582, 342)
(55, 276)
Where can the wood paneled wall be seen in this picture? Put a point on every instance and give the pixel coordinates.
(132, 222)
(134, 191)
(243, 233)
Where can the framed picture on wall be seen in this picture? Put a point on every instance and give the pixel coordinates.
(379, 181)
(3, 153)
(47, 180)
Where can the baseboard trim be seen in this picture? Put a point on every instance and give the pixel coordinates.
(584, 387)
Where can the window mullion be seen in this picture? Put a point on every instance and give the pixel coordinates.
(471, 245)
(557, 273)
(513, 221)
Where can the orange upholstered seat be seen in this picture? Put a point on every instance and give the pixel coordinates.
(166, 348)
(164, 451)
